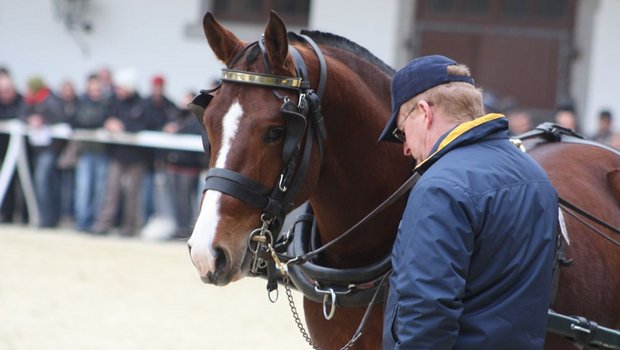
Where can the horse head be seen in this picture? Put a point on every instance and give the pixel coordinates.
(250, 137)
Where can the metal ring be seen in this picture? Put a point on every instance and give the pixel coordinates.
(302, 102)
(273, 299)
(256, 232)
(332, 311)
(280, 185)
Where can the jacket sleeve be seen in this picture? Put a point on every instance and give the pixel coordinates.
(436, 244)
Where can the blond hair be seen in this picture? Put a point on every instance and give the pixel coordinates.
(459, 101)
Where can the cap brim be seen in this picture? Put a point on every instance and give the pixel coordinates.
(387, 134)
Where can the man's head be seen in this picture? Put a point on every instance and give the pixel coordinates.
(430, 95)
(7, 90)
(565, 117)
(93, 87)
(604, 121)
(157, 86)
(519, 121)
(125, 83)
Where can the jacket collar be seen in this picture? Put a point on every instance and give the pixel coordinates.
(462, 134)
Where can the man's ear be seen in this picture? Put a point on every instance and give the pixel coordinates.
(429, 116)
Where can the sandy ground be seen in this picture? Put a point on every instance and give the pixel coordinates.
(64, 290)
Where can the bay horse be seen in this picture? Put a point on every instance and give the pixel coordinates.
(247, 134)
(351, 173)
(587, 176)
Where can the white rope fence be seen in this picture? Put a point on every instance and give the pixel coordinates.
(16, 157)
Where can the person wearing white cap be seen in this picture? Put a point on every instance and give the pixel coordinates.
(127, 163)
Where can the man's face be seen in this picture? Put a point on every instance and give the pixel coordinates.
(411, 123)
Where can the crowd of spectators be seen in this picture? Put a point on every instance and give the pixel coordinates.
(100, 188)
(521, 120)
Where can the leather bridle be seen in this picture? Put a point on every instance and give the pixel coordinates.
(304, 128)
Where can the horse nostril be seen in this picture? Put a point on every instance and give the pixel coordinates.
(220, 259)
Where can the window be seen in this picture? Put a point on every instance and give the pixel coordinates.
(293, 12)
(523, 13)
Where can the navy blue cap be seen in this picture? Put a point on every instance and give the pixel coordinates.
(416, 77)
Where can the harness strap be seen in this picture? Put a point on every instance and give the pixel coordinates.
(242, 188)
(322, 66)
(406, 186)
(261, 79)
(555, 133)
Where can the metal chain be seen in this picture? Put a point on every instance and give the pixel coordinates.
(291, 304)
(300, 325)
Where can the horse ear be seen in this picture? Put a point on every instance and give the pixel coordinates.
(222, 41)
(276, 41)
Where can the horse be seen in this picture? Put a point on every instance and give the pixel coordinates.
(587, 176)
(351, 173)
(246, 130)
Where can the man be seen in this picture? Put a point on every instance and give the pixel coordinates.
(159, 110)
(519, 121)
(127, 164)
(565, 117)
(474, 254)
(604, 132)
(92, 162)
(11, 107)
(44, 109)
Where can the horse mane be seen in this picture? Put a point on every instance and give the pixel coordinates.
(336, 41)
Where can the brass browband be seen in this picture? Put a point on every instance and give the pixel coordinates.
(276, 81)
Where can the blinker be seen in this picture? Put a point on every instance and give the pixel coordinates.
(198, 106)
(200, 103)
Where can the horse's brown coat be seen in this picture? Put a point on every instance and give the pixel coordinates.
(357, 173)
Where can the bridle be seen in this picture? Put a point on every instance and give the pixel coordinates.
(304, 129)
(303, 122)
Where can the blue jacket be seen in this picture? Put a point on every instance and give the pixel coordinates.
(474, 254)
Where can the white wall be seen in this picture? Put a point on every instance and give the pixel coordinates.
(604, 68)
(148, 35)
(372, 24)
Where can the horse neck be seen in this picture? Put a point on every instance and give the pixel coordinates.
(358, 172)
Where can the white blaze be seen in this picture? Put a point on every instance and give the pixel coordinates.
(201, 241)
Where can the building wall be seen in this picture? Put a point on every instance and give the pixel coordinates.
(148, 35)
(603, 70)
(372, 24)
(154, 36)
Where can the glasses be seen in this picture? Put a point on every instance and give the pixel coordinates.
(398, 133)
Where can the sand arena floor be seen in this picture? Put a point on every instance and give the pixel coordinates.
(62, 290)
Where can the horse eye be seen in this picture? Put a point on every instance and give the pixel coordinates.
(274, 134)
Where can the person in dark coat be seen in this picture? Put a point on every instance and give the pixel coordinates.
(474, 253)
(183, 170)
(127, 164)
(11, 107)
(160, 110)
(92, 158)
(44, 109)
